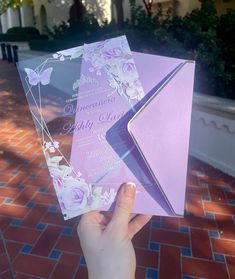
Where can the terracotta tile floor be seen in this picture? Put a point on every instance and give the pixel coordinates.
(37, 243)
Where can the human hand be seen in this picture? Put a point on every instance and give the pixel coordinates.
(106, 238)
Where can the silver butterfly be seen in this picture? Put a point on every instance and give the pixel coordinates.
(35, 78)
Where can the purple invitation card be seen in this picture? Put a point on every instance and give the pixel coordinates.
(106, 116)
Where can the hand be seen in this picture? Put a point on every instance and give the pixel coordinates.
(106, 238)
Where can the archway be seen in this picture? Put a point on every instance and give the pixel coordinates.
(43, 20)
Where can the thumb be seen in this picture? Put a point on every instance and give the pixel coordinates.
(124, 204)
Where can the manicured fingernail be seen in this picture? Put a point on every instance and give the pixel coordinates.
(129, 189)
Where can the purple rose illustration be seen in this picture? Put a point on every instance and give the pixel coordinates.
(112, 53)
(74, 194)
(100, 44)
(129, 71)
(128, 68)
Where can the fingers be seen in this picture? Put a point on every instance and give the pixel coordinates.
(92, 218)
(124, 204)
(137, 224)
(132, 216)
(109, 215)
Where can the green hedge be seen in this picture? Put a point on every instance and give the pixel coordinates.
(52, 45)
(22, 34)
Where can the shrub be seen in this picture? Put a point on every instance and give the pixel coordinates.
(201, 35)
(225, 32)
(52, 45)
(76, 31)
(23, 30)
(22, 34)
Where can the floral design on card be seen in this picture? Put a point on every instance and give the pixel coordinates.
(116, 60)
(73, 192)
(70, 53)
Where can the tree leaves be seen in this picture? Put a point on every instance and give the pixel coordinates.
(4, 4)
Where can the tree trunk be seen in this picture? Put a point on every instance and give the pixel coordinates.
(148, 5)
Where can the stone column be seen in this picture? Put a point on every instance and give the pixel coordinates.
(26, 12)
(4, 22)
(13, 17)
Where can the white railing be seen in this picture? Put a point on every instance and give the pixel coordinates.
(213, 132)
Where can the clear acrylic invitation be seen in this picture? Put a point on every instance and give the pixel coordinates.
(99, 111)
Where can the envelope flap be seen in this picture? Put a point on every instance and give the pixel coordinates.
(161, 132)
(153, 69)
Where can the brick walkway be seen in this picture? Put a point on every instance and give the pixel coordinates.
(37, 243)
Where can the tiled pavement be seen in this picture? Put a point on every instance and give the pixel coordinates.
(37, 243)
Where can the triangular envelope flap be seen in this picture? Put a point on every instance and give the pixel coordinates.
(161, 131)
(153, 69)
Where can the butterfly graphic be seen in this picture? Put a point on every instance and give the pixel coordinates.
(36, 78)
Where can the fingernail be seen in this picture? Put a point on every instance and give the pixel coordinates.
(129, 189)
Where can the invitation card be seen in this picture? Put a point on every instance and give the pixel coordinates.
(99, 111)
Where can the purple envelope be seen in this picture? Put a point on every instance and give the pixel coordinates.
(106, 116)
(166, 120)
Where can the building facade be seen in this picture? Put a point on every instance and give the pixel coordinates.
(45, 14)
(22, 16)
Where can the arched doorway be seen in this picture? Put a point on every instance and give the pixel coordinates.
(43, 20)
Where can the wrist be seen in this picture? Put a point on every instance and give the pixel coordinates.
(107, 274)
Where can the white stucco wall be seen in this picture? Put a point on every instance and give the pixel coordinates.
(26, 12)
(13, 17)
(4, 22)
(56, 12)
(186, 6)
